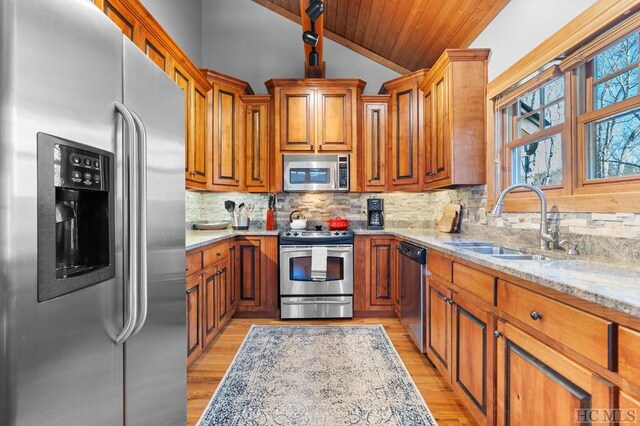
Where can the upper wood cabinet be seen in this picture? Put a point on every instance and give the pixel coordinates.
(453, 147)
(257, 147)
(227, 131)
(139, 26)
(405, 116)
(374, 142)
(315, 115)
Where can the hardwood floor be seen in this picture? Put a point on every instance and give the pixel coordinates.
(205, 374)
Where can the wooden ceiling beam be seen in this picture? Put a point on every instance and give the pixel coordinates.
(334, 37)
(317, 27)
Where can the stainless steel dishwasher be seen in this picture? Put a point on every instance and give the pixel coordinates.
(413, 273)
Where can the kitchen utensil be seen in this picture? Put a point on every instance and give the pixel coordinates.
(229, 206)
(338, 224)
(241, 206)
(450, 219)
(211, 226)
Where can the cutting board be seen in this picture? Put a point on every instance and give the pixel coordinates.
(450, 218)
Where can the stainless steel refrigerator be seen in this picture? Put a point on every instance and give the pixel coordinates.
(92, 310)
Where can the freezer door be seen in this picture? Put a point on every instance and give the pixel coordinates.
(60, 74)
(155, 358)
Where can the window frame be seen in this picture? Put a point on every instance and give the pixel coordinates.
(577, 193)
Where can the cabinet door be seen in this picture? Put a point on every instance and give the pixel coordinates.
(200, 150)
(439, 326)
(297, 120)
(404, 139)
(155, 50)
(227, 155)
(382, 264)
(437, 158)
(537, 385)
(194, 315)
(180, 77)
(222, 309)
(473, 356)
(257, 138)
(231, 280)
(375, 146)
(210, 317)
(334, 121)
(248, 273)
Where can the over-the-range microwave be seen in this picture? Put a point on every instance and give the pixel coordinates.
(316, 172)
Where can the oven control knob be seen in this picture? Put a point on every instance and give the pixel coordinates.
(344, 232)
(295, 234)
(288, 233)
(337, 233)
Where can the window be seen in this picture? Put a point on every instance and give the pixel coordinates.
(573, 127)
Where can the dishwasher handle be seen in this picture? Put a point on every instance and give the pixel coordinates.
(413, 252)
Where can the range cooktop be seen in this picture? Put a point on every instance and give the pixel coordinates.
(293, 236)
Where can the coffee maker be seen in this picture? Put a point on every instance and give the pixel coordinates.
(375, 213)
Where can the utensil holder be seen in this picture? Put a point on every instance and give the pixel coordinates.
(240, 222)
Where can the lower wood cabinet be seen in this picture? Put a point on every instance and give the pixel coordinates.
(256, 276)
(194, 317)
(438, 327)
(216, 300)
(376, 289)
(537, 385)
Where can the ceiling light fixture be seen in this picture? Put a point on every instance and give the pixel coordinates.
(311, 38)
(314, 10)
(314, 58)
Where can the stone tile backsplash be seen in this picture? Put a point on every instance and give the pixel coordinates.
(601, 234)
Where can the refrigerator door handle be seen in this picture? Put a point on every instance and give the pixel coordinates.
(141, 198)
(130, 223)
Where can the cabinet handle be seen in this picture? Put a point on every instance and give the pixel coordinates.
(189, 291)
(497, 334)
(431, 174)
(446, 299)
(218, 254)
(535, 315)
(451, 302)
(311, 147)
(186, 268)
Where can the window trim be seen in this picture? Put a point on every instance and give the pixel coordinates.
(618, 194)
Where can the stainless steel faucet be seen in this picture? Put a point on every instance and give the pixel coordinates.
(545, 237)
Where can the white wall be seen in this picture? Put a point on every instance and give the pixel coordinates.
(182, 20)
(521, 26)
(250, 42)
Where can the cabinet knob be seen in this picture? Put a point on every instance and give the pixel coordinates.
(311, 147)
(451, 302)
(189, 291)
(497, 334)
(535, 315)
(218, 254)
(431, 174)
(186, 268)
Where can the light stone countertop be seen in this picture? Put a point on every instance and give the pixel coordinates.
(612, 286)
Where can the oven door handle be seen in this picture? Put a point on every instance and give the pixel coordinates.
(318, 302)
(308, 248)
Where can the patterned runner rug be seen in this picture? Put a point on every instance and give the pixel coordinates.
(317, 376)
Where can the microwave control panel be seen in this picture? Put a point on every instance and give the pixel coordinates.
(343, 172)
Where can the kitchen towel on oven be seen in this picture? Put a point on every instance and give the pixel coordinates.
(318, 263)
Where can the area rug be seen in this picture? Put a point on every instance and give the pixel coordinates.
(317, 376)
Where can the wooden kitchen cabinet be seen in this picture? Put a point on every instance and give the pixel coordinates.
(193, 299)
(257, 145)
(256, 275)
(383, 263)
(210, 306)
(473, 357)
(226, 122)
(438, 327)
(335, 120)
(374, 142)
(453, 144)
(139, 26)
(537, 385)
(405, 116)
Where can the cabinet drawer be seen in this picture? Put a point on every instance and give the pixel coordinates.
(584, 333)
(215, 253)
(194, 262)
(440, 266)
(475, 282)
(628, 349)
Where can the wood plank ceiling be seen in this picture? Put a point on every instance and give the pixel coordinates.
(403, 35)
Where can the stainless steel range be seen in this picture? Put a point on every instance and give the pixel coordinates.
(316, 274)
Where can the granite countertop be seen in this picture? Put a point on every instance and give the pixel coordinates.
(615, 286)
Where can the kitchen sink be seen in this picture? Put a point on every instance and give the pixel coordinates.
(495, 250)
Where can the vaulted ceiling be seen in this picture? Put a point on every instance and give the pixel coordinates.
(404, 35)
